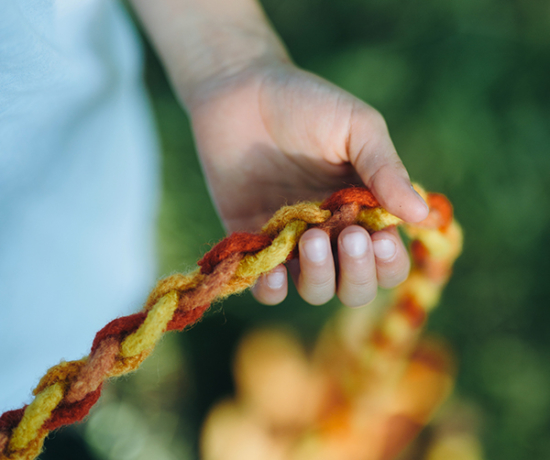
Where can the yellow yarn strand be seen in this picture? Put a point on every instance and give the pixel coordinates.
(150, 332)
(35, 415)
(424, 290)
(309, 213)
(266, 260)
(376, 219)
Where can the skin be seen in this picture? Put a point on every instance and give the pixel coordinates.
(269, 133)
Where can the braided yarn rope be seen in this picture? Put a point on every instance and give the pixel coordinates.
(68, 391)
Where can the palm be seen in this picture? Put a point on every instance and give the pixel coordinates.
(270, 139)
(276, 135)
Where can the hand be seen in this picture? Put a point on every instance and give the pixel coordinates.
(272, 134)
(269, 134)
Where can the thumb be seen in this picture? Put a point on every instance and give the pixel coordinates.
(375, 159)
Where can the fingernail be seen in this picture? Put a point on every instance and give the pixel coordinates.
(420, 198)
(384, 249)
(316, 249)
(275, 279)
(355, 244)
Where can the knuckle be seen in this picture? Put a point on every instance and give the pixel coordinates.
(316, 291)
(359, 272)
(376, 119)
(364, 289)
(394, 276)
(316, 284)
(372, 119)
(364, 282)
(357, 298)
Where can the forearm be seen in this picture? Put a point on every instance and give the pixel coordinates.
(201, 40)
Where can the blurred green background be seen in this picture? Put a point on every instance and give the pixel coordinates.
(464, 87)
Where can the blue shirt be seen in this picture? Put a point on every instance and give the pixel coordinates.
(78, 183)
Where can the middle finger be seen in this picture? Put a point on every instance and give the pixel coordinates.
(357, 282)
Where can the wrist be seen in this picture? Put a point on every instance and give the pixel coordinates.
(229, 52)
(202, 42)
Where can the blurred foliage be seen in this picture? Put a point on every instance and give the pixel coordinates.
(463, 85)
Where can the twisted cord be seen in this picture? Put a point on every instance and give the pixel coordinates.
(68, 391)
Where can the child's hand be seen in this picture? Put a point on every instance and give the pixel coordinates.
(273, 135)
(269, 134)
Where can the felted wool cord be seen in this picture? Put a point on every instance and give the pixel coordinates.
(68, 391)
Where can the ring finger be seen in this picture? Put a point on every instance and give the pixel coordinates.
(317, 280)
